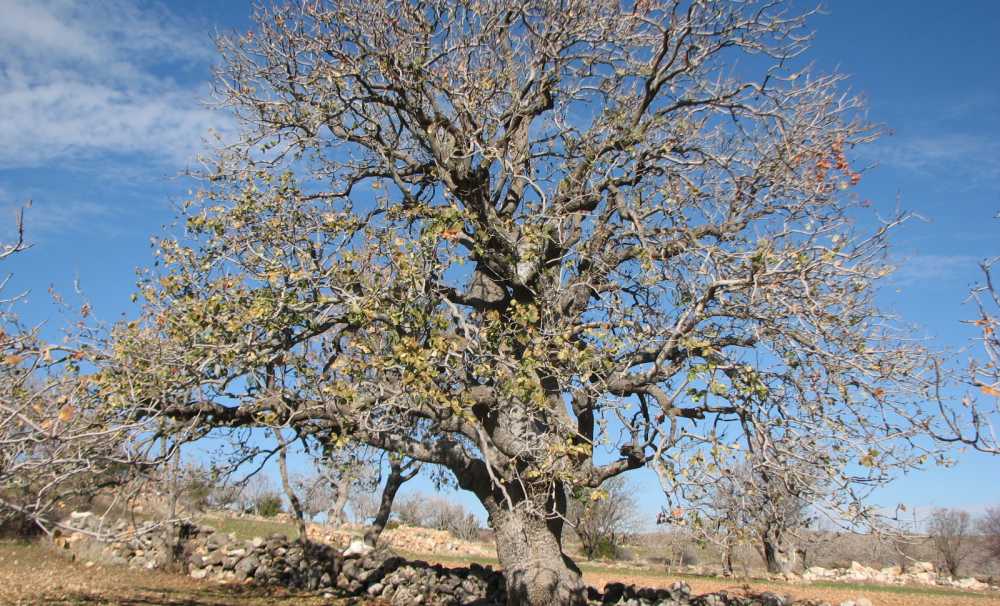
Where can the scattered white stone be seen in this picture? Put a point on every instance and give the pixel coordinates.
(357, 548)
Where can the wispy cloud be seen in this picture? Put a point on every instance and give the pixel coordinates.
(966, 158)
(81, 79)
(49, 218)
(926, 269)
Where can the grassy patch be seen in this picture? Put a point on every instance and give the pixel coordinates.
(248, 528)
(903, 589)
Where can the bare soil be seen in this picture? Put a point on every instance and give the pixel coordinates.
(880, 595)
(38, 574)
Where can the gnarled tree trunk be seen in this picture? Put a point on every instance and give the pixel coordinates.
(779, 553)
(335, 515)
(537, 571)
(529, 546)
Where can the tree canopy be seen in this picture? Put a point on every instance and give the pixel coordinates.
(537, 244)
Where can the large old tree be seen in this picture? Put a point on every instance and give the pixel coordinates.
(537, 244)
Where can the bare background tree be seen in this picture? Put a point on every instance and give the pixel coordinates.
(990, 529)
(951, 531)
(604, 519)
(763, 497)
(439, 512)
(538, 245)
(63, 441)
(974, 422)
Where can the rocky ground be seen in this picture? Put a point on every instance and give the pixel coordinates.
(276, 561)
(918, 573)
(35, 574)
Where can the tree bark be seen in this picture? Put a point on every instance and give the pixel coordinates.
(398, 474)
(293, 499)
(335, 515)
(779, 555)
(727, 560)
(537, 571)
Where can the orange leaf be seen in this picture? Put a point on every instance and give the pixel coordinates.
(990, 390)
(451, 234)
(66, 413)
(13, 359)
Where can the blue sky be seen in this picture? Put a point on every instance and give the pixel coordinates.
(103, 103)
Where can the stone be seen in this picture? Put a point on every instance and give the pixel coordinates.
(680, 590)
(247, 566)
(971, 583)
(357, 548)
(613, 592)
(214, 558)
(922, 567)
(199, 573)
(772, 599)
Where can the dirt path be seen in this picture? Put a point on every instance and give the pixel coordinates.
(879, 596)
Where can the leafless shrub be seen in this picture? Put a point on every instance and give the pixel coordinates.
(435, 511)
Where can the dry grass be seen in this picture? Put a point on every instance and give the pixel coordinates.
(880, 595)
(36, 574)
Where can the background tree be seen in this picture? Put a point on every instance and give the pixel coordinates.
(537, 245)
(60, 441)
(439, 512)
(761, 497)
(294, 503)
(603, 519)
(350, 472)
(951, 531)
(974, 422)
(990, 529)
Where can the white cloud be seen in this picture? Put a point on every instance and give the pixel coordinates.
(971, 158)
(81, 79)
(917, 270)
(49, 218)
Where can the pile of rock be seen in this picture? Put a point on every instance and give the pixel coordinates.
(203, 553)
(918, 573)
